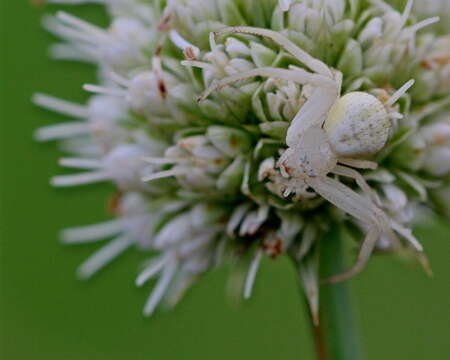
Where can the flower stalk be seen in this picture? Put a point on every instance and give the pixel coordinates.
(337, 336)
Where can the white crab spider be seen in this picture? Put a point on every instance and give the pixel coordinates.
(329, 135)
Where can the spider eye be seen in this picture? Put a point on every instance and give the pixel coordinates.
(357, 125)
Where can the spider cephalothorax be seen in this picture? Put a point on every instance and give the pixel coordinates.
(329, 135)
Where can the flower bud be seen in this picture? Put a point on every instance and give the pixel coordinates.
(437, 161)
(441, 197)
(275, 129)
(146, 95)
(229, 141)
(231, 178)
(351, 61)
(236, 48)
(262, 55)
(372, 31)
(126, 167)
(125, 51)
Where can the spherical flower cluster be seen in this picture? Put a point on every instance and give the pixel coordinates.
(238, 129)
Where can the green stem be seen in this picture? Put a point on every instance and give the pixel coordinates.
(337, 333)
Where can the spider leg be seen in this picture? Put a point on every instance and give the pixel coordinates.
(313, 112)
(299, 76)
(301, 55)
(359, 207)
(367, 247)
(355, 175)
(359, 164)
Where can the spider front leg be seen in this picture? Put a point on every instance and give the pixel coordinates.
(312, 63)
(298, 76)
(313, 112)
(359, 207)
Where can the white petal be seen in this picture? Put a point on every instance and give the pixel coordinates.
(251, 275)
(103, 257)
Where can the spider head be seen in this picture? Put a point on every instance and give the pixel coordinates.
(312, 156)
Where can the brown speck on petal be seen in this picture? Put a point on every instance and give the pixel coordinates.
(443, 60)
(164, 25)
(189, 54)
(426, 64)
(113, 206)
(388, 87)
(162, 88)
(234, 142)
(440, 139)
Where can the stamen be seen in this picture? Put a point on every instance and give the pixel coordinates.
(424, 23)
(161, 287)
(193, 245)
(263, 212)
(407, 234)
(236, 218)
(164, 174)
(151, 270)
(399, 93)
(55, 27)
(250, 280)
(80, 24)
(103, 257)
(92, 233)
(183, 44)
(104, 90)
(80, 163)
(79, 179)
(287, 192)
(180, 284)
(161, 160)
(119, 79)
(69, 52)
(61, 106)
(309, 275)
(212, 41)
(61, 131)
(198, 64)
(406, 12)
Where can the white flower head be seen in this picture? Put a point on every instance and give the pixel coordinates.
(236, 131)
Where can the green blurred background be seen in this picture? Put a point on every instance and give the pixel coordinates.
(47, 314)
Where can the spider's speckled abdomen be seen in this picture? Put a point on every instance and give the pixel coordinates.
(357, 125)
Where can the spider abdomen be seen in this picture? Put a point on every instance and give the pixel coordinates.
(357, 125)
